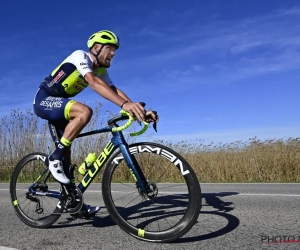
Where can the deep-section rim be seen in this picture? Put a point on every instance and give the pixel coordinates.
(42, 223)
(181, 227)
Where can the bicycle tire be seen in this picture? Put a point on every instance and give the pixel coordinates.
(152, 155)
(30, 169)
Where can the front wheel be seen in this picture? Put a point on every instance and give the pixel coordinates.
(34, 192)
(173, 202)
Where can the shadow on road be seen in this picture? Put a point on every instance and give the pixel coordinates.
(167, 207)
(213, 200)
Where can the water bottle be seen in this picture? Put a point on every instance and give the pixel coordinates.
(89, 160)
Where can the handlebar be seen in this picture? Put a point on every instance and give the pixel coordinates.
(124, 116)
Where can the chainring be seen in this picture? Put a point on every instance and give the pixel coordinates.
(73, 201)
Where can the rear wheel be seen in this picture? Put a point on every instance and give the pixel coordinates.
(170, 207)
(34, 192)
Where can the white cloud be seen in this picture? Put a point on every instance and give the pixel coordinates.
(293, 11)
(263, 46)
(149, 32)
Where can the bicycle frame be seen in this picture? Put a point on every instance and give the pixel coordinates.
(117, 141)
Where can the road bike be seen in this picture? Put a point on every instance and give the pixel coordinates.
(149, 190)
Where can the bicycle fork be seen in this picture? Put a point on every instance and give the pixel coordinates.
(134, 168)
(147, 190)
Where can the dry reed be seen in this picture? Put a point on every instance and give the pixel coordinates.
(255, 160)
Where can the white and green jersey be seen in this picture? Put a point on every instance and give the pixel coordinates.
(67, 80)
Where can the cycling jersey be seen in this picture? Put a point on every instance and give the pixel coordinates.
(67, 80)
(51, 101)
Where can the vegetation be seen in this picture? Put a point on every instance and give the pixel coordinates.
(272, 160)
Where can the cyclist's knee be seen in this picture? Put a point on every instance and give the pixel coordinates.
(81, 111)
(88, 112)
(85, 114)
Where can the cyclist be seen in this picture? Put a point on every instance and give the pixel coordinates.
(67, 117)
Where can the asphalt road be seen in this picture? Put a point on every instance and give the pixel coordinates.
(233, 216)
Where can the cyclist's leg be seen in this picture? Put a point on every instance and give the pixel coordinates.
(80, 115)
(71, 115)
(77, 116)
(66, 120)
(57, 130)
(52, 109)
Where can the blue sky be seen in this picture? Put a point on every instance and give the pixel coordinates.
(214, 70)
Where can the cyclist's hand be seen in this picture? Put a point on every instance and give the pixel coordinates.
(151, 116)
(135, 109)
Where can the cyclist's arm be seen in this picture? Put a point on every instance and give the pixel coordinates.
(149, 113)
(103, 89)
(105, 77)
(120, 93)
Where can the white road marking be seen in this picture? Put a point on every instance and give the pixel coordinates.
(215, 193)
(7, 248)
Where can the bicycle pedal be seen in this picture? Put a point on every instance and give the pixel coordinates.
(83, 215)
(89, 216)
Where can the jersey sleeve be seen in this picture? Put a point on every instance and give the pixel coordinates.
(103, 75)
(81, 61)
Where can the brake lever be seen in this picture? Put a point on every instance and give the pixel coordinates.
(154, 123)
(154, 126)
(143, 104)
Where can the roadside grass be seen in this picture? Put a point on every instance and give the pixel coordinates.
(255, 160)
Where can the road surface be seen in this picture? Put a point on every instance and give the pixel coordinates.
(233, 216)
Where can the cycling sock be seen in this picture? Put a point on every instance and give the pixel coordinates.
(60, 147)
(65, 142)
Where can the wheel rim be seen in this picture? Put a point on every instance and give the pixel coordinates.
(172, 208)
(34, 208)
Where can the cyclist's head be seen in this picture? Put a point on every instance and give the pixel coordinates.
(102, 45)
(103, 37)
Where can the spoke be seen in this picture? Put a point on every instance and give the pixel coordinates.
(125, 196)
(132, 200)
(170, 186)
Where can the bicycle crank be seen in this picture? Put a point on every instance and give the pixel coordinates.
(72, 200)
